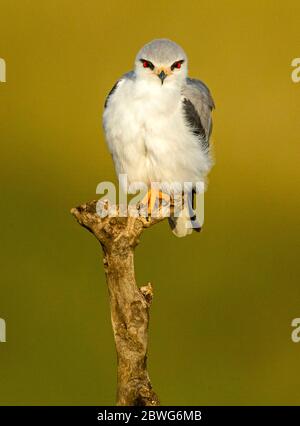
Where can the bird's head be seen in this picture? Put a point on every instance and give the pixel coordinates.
(161, 61)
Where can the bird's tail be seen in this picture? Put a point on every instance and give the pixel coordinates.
(186, 221)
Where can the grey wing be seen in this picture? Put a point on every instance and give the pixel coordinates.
(197, 106)
(129, 75)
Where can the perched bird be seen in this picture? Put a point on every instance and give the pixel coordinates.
(157, 123)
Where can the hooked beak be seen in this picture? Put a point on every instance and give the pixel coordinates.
(162, 75)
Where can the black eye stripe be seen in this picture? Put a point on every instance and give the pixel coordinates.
(175, 64)
(150, 65)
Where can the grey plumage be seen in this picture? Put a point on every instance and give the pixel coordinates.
(198, 106)
(129, 75)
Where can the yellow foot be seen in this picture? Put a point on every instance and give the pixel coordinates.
(154, 200)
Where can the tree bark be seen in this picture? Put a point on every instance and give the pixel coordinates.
(129, 304)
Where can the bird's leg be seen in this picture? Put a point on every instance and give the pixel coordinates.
(153, 199)
(157, 196)
(145, 199)
(163, 196)
(145, 202)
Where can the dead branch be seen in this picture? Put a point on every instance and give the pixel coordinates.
(129, 304)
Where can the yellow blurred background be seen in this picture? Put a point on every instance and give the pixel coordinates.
(225, 298)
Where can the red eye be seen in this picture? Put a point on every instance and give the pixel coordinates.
(147, 64)
(177, 64)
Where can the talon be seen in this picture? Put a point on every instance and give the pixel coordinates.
(154, 199)
(157, 197)
(145, 201)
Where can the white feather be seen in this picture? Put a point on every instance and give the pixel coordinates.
(148, 136)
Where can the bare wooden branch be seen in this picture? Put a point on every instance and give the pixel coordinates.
(129, 304)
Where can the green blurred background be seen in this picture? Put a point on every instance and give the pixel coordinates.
(224, 299)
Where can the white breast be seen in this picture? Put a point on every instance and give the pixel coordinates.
(148, 137)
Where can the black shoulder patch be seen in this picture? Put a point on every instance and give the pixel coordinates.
(110, 93)
(194, 121)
